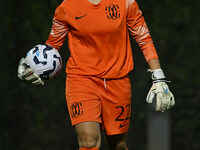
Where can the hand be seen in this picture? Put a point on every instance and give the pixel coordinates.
(26, 73)
(160, 92)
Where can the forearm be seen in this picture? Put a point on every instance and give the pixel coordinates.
(59, 29)
(154, 64)
(159, 91)
(138, 29)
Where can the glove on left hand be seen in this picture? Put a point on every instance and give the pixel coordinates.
(160, 92)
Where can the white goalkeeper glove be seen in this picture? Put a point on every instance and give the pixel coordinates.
(26, 73)
(160, 91)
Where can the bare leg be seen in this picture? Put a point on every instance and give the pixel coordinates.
(116, 142)
(88, 134)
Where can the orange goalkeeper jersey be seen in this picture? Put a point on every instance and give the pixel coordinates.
(98, 36)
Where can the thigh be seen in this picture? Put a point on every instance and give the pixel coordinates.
(116, 105)
(82, 101)
(116, 142)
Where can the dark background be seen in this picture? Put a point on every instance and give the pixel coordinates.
(36, 118)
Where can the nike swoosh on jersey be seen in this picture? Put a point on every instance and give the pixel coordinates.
(79, 17)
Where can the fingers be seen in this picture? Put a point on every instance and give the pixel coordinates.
(164, 101)
(29, 75)
(28, 72)
(33, 77)
(159, 102)
(22, 61)
(172, 101)
(151, 95)
(162, 104)
(21, 68)
(38, 82)
(20, 71)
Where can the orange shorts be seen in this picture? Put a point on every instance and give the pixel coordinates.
(107, 101)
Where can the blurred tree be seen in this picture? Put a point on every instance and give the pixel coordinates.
(175, 26)
(1, 80)
(35, 117)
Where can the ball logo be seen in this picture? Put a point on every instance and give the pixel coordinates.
(76, 109)
(112, 12)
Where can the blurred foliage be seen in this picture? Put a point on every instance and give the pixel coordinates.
(36, 118)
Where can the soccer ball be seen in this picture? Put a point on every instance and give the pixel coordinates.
(45, 61)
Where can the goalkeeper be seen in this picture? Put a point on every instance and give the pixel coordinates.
(98, 90)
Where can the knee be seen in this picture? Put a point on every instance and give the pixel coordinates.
(88, 140)
(88, 134)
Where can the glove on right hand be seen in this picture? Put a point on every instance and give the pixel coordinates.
(27, 74)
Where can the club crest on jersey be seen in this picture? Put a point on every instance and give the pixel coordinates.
(112, 12)
(76, 109)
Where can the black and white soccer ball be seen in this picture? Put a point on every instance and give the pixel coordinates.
(45, 61)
